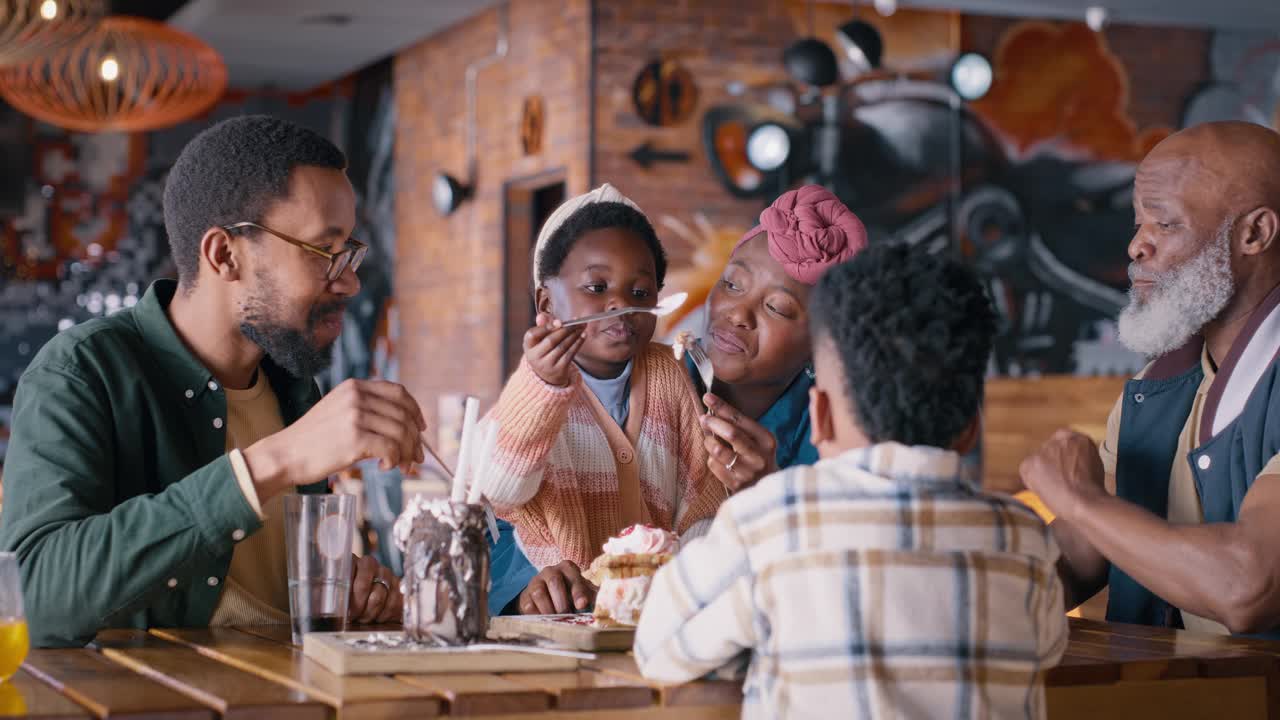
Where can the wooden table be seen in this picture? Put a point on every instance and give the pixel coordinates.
(1109, 671)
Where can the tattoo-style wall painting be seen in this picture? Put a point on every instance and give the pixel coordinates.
(1032, 184)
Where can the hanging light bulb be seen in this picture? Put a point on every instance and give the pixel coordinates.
(127, 74)
(886, 7)
(32, 28)
(109, 70)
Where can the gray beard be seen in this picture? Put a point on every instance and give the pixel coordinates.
(1182, 301)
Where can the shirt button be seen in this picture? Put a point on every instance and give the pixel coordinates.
(625, 456)
(190, 393)
(237, 535)
(217, 423)
(173, 582)
(1139, 398)
(213, 582)
(213, 386)
(1204, 462)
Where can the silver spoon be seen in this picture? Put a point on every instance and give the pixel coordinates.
(665, 306)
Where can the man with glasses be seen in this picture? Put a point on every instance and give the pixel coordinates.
(151, 450)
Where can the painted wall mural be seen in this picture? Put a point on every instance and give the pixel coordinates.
(1032, 184)
(1245, 83)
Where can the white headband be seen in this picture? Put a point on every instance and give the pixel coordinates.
(604, 193)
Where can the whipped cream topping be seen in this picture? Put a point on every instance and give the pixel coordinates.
(642, 540)
(416, 505)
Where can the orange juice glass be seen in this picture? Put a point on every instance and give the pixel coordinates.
(13, 622)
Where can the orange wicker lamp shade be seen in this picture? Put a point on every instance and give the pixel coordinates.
(127, 75)
(31, 28)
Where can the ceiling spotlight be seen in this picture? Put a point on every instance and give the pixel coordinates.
(811, 62)
(1095, 17)
(768, 146)
(49, 9)
(447, 193)
(886, 7)
(862, 44)
(971, 76)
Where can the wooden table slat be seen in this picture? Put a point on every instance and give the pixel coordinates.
(24, 695)
(700, 692)
(108, 689)
(282, 634)
(233, 693)
(1183, 641)
(482, 694)
(356, 696)
(589, 689)
(1179, 699)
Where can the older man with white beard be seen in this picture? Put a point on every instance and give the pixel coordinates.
(1179, 511)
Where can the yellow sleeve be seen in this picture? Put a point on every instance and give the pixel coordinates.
(1110, 444)
(245, 480)
(1272, 467)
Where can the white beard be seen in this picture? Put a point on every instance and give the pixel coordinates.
(1181, 302)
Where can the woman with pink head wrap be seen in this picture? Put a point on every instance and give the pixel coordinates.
(758, 340)
(758, 335)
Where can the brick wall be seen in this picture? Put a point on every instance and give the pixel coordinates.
(718, 41)
(449, 279)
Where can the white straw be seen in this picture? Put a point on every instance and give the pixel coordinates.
(476, 488)
(464, 451)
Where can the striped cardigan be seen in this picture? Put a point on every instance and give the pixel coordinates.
(567, 477)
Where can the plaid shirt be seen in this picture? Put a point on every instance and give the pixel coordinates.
(881, 583)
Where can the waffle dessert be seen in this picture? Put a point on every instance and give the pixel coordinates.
(625, 571)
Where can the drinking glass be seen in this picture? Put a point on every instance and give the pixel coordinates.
(318, 531)
(14, 641)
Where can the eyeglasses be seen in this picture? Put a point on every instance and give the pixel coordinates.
(349, 257)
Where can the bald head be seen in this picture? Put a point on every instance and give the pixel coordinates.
(1233, 165)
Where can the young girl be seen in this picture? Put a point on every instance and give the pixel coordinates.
(598, 428)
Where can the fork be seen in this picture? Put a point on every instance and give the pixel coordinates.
(705, 370)
(700, 360)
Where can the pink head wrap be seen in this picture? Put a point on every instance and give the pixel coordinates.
(809, 231)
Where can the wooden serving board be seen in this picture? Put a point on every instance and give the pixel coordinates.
(575, 631)
(332, 651)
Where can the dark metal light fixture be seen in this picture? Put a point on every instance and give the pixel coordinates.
(861, 43)
(811, 62)
(447, 193)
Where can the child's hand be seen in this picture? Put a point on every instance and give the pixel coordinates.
(550, 349)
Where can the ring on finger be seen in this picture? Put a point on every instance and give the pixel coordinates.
(732, 462)
(383, 583)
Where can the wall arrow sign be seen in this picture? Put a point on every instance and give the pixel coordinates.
(646, 155)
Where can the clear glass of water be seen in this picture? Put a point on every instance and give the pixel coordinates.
(318, 532)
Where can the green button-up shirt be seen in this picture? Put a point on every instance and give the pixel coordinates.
(119, 498)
